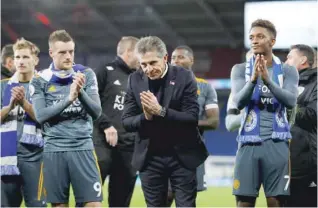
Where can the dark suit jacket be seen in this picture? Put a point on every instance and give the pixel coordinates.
(179, 125)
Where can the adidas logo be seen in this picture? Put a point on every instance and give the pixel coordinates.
(51, 88)
(117, 82)
(109, 68)
(312, 184)
(300, 90)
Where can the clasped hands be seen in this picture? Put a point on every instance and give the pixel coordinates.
(260, 69)
(76, 86)
(17, 97)
(150, 104)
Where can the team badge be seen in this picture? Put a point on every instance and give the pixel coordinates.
(31, 89)
(251, 121)
(236, 184)
(300, 90)
(279, 117)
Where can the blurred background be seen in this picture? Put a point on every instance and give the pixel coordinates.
(217, 31)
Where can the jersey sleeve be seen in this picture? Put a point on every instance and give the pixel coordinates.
(43, 112)
(211, 99)
(230, 103)
(91, 85)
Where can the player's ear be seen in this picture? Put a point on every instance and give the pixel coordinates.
(51, 49)
(273, 41)
(165, 58)
(303, 60)
(192, 60)
(36, 60)
(51, 52)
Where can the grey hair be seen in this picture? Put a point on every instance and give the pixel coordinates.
(151, 44)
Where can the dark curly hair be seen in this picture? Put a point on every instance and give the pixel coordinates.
(265, 24)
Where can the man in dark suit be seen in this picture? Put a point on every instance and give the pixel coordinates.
(161, 106)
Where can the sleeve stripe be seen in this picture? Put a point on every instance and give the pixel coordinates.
(209, 106)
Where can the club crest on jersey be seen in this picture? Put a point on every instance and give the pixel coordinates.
(300, 90)
(279, 119)
(236, 184)
(251, 121)
(31, 89)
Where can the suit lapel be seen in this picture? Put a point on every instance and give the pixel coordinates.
(143, 85)
(169, 86)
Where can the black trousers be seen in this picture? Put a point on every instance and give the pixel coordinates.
(122, 177)
(158, 169)
(301, 195)
(11, 193)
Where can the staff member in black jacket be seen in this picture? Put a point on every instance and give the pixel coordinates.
(161, 105)
(114, 146)
(303, 147)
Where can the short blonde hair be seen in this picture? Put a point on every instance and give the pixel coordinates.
(25, 44)
(60, 35)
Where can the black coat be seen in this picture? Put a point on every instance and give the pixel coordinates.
(179, 126)
(112, 84)
(303, 145)
(5, 73)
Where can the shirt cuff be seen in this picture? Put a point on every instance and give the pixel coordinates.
(212, 105)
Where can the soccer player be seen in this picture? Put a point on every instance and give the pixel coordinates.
(264, 87)
(303, 146)
(234, 115)
(65, 102)
(7, 65)
(113, 144)
(209, 111)
(21, 140)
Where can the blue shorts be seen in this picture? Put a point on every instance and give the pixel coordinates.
(265, 163)
(79, 168)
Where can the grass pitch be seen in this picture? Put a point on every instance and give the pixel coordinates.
(213, 197)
